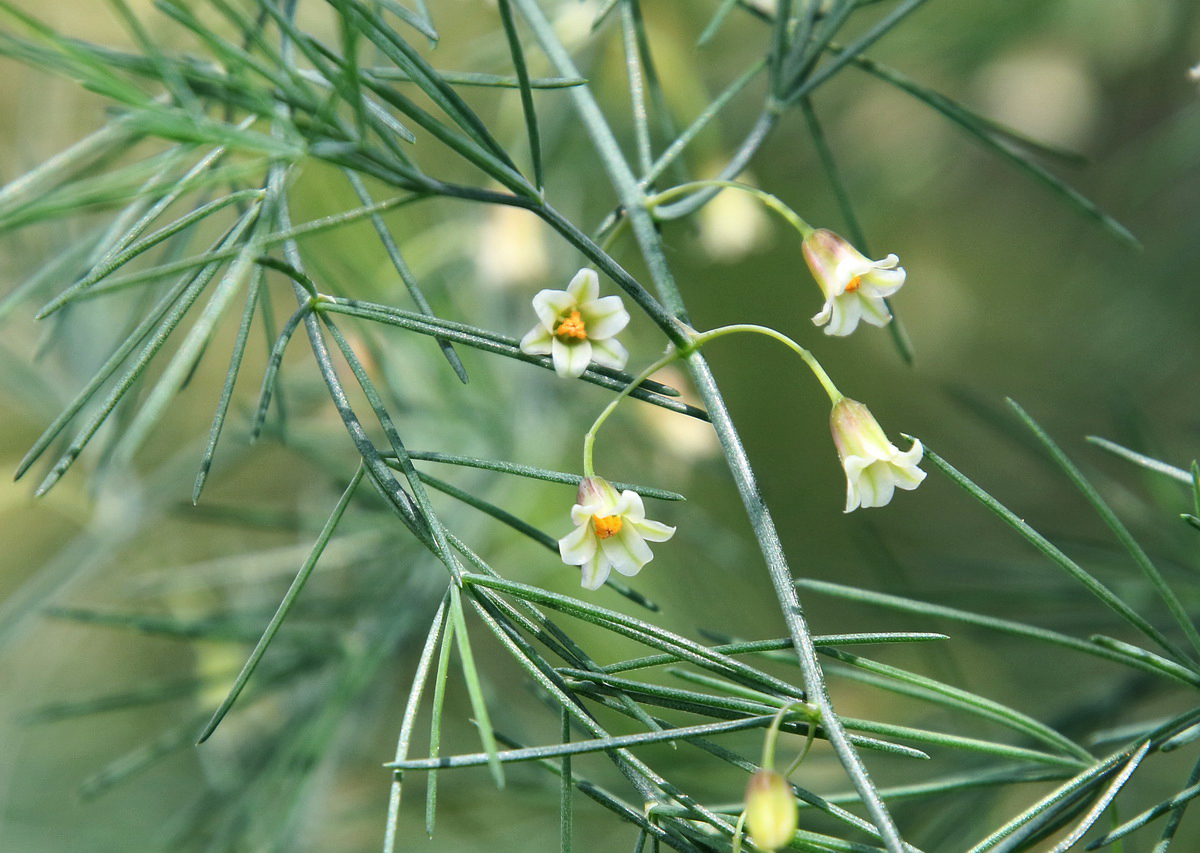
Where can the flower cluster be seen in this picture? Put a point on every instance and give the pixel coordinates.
(611, 531)
(874, 466)
(853, 284)
(577, 326)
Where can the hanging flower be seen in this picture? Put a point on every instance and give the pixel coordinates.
(853, 284)
(875, 467)
(575, 327)
(611, 531)
(771, 812)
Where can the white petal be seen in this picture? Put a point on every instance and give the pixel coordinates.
(537, 341)
(610, 353)
(585, 286)
(630, 506)
(883, 282)
(907, 474)
(853, 500)
(877, 485)
(604, 317)
(653, 531)
(570, 360)
(826, 313)
(595, 572)
(551, 305)
(846, 312)
(907, 478)
(627, 551)
(912, 456)
(873, 309)
(578, 546)
(855, 465)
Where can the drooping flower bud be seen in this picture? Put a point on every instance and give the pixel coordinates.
(771, 811)
(874, 466)
(854, 285)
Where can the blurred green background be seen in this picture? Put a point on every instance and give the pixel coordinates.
(1009, 294)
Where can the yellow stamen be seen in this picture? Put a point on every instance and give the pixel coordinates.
(571, 327)
(607, 525)
(853, 284)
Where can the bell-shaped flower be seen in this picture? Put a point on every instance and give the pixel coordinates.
(772, 815)
(853, 284)
(576, 326)
(611, 532)
(875, 467)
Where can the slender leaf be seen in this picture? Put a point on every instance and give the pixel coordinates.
(531, 123)
(992, 139)
(411, 707)
(406, 275)
(285, 606)
(1004, 625)
(1044, 545)
(231, 375)
(1141, 459)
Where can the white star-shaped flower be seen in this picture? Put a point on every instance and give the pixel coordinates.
(853, 284)
(611, 531)
(576, 326)
(874, 466)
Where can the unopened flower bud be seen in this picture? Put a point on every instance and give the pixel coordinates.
(771, 812)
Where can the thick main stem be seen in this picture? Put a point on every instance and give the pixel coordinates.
(789, 602)
(633, 199)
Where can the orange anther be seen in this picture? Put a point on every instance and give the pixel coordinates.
(607, 525)
(571, 327)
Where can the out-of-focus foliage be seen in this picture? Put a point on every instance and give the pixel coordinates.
(127, 612)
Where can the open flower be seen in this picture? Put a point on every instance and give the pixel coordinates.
(853, 284)
(576, 328)
(875, 467)
(611, 531)
(771, 811)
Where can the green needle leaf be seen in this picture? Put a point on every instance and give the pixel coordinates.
(1156, 465)
(440, 679)
(475, 688)
(1064, 562)
(285, 606)
(531, 122)
(992, 139)
(1175, 806)
(536, 473)
(235, 364)
(411, 707)
(1140, 557)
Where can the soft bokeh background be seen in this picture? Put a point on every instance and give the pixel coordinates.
(1010, 294)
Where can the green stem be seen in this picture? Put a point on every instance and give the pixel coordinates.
(771, 201)
(633, 200)
(698, 340)
(772, 735)
(749, 147)
(815, 366)
(589, 440)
